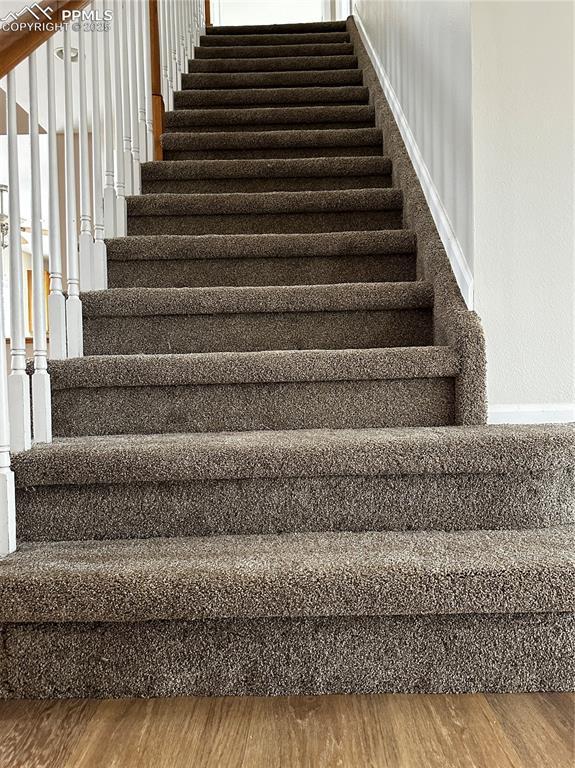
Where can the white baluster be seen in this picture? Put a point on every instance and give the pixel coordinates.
(176, 75)
(41, 401)
(99, 270)
(110, 203)
(166, 66)
(18, 381)
(121, 213)
(86, 241)
(56, 299)
(138, 36)
(182, 37)
(73, 303)
(121, 18)
(7, 492)
(131, 26)
(148, 79)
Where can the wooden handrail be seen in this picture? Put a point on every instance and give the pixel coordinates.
(17, 46)
(158, 108)
(208, 12)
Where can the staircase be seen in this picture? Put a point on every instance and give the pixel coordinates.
(272, 473)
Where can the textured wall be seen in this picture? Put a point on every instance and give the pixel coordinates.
(425, 49)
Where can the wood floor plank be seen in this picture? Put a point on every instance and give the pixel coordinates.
(540, 726)
(385, 731)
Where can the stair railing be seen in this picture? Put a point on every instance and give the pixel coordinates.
(99, 97)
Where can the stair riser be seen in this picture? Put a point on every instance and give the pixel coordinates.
(304, 38)
(264, 223)
(225, 127)
(240, 407)
(181, 334)
(278, 184)
(188, 273)
(435, 654)
(295, 79)
(276, 505)
(272, 152)
(295, 64)
(270, 51)
(270, 97)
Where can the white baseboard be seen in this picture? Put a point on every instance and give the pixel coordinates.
(532, 413)
(444, 227)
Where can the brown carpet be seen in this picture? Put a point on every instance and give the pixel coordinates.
(272, 472)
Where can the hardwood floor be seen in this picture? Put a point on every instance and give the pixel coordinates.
(471, 731)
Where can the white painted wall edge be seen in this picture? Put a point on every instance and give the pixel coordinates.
(532, 413)
(444, 227)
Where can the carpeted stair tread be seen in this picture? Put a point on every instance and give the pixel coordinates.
(294, 259)
(279, 29)
(269, 51)
(282, 143)
(281, 167)
(494, 449)
(239, 318)
(333, 244)
(264, 202)
(277, 79)
(285, 38)
(142, 302)
(292, 575)
(254, 367)
(290, 64)
(248, 97)
(259, 119)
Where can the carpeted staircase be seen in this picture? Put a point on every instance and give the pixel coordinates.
(272, 472)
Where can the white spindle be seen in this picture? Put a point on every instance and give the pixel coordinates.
(126, 103)
(73, 303)
(7, 492)
(148, 79)
(86, 241)
(110, 203)
(176, 77)
(182, 36)
(131, 29)
(121, 213)
(138, 38)
(41, 403)
(166, 67)
(56, 299)
(18, 381)
(99, 260)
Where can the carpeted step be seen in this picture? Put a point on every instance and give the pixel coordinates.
(328, 142)
(239, 391)
(160, 261)
(252, 120)
(298, 174)
(279, 29)
(267, 97)
(296, 63)
(248, 80)
(265, 212)
(450, 478)
(128, 321)
(285, 38)
(292, 575)
(270, 51)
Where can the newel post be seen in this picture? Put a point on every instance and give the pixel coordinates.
(157, 100)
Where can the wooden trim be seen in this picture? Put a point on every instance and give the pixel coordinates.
(17, 46)
(158, 108)
(208, 12)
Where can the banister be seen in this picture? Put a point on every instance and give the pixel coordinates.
(208, 12)
(17, 46)
(158, 108)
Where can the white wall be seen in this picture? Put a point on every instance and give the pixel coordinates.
(523, 99)
(487, 92)
(242, 12)
(425, 51)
